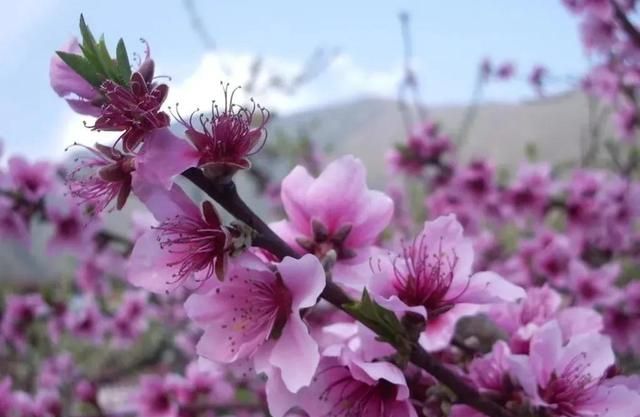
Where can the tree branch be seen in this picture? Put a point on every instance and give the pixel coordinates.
(226, 195)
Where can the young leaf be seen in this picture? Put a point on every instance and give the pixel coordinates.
(106, 63)
(124, 67)
(82, 67)
(88, 41)
(382, 321)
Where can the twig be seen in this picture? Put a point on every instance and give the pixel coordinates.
(226, 195)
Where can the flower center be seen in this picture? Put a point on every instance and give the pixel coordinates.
(424, 278)
(197, 244)
(349, 397)
(569, 389)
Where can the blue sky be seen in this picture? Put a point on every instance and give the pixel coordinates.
(450, 38)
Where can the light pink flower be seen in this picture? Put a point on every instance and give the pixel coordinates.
(256, 311)
(20, 312)
(186, 246)
(31, 180)
(566, 379)
(592, 287)
(347, 386)
(73, 231)
(433, 277)
(335, 211)
(490, 373)
(81, 96)
(156, 398)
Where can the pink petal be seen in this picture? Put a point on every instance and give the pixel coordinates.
(164, 156)
(215, 344)
(545, 350)
(445, 235)
(521, 370)
(440, 329)
(488, 287)
(376, 212)
(577, 320)
(617, 401)
(334, 196)
(279, 399)
(592, 350)
(295, 342)
(304, 278)
(164, 204)
(293, 194)
(147, 265)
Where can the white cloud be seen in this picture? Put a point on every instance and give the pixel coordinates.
(342, 80)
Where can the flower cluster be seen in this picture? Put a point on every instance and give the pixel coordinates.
(488, 295)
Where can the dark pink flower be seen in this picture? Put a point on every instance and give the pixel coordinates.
(20, 312)
(226, 139)
(102, 177)
(156, 398)
(31, 180)
(133, 109)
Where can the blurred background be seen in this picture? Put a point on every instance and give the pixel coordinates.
(334, 75)
(351, 56)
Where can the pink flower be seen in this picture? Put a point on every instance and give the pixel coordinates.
(226, 140)
(73, 229)
(593, 287)
(490, 373)
(21, 311)
(102, 177)
(459, 410)
(31, 180)
(433, 277)
(156, 398)
(186, 245)
(530, 191)
(255, 311)
(12, 224)
(537, 77)
(81, 96)
(505, 71)
(597, 33)
(163, 157)
(86, 321)
(542, 304)
(345, 387)
(321, 219)
(566, 379)
(133, 110)
(86, 391)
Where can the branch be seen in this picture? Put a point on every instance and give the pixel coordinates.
(226, 195)
(626, 24)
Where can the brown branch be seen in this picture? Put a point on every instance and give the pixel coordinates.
(626, 24)
(226, 195)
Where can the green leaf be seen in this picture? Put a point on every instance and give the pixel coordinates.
(110, 67)
(382, 321)
(124, 67)
(82, 67)
(88, 41)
